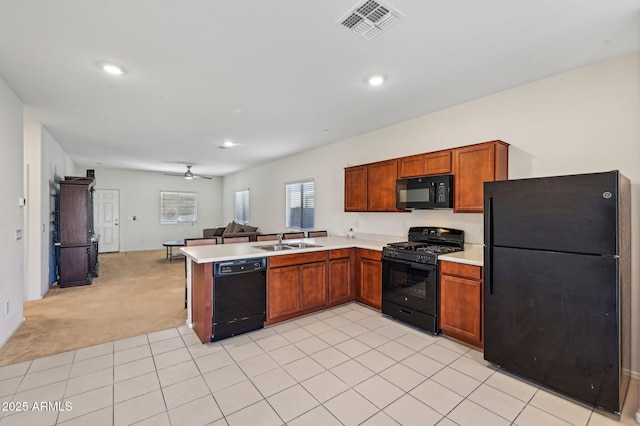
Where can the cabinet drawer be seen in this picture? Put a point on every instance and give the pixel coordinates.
(297, 259)
(461, 270)
(340, 253)
(370, 254)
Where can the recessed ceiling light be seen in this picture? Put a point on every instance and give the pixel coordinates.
(112, 69)
(227, 144)
(376, 79)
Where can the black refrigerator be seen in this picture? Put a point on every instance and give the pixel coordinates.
(557, 281)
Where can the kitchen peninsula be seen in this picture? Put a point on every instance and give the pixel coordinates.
(346, 269)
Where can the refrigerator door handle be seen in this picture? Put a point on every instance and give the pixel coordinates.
(488, 241)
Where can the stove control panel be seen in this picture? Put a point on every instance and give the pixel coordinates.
(424, 259)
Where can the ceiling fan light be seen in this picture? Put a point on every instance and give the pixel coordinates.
(188, 177)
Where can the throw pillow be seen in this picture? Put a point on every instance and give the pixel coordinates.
(230, 227)
(247, 228)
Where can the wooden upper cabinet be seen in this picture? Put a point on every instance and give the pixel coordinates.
(381, 186)
(432, 163)
(437, 163)
(355, 189)
(372, 187)
(411, 166)
(473, 166)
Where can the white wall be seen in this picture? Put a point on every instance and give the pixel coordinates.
(45, 165)
(586, 120)
(11, 175)
(140, 196)
(35, 264)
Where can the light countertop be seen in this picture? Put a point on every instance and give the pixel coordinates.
(472, 254)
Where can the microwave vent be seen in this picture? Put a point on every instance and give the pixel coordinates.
(369, 18)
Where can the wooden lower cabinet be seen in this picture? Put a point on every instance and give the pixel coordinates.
(296, 284)
(369, 278)
(299, 284)
(282, 294)
(202, 300)
(313, 285)
(461, 313)
(341, 276)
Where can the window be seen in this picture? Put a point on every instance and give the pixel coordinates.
(300, 204)
(242, 206)
(178, 207)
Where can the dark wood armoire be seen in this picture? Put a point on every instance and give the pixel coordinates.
(77, 246)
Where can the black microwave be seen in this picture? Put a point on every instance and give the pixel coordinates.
(425, 192)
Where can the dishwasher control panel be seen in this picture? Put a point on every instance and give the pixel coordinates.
(239, 266)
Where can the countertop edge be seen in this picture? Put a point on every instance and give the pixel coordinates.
(472, 254)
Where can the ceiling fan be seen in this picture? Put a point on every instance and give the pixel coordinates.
(188, 174)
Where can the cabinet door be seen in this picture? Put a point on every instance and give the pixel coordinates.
(340, 285)
(355, 189)
(370, 278)
(75, 266)
(437, 163)
(75, 225)
(411, 166)
(473, 166)
(313, 285)
(381, 186)
(461, 302)
(282, 291)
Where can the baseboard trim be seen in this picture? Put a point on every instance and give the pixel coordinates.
(12, 333)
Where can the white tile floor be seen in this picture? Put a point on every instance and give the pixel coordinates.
(345, 366)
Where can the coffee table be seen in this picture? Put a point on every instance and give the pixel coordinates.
(169, 245)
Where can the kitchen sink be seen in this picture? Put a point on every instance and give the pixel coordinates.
(288, 246)
(301, 245)
(275, 247)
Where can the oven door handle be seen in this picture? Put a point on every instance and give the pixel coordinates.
(415, 265)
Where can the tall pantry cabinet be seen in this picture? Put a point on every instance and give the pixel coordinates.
(77, 246)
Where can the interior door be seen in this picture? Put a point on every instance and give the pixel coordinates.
(106, 219)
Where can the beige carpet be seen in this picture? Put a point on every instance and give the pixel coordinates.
(136, 292)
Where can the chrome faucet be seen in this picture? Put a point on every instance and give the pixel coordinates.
(280, 238)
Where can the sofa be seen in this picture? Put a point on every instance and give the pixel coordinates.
(233, 229)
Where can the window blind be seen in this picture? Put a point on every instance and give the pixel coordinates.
(177, 207)
(300, 205)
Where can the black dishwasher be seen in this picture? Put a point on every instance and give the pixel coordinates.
(239, 297)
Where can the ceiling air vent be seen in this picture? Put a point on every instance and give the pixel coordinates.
(369, 18)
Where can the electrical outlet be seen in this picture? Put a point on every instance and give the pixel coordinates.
(6, 308)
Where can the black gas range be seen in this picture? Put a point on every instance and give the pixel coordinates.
(410, 278)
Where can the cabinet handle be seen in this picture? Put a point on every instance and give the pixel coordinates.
(488, 240)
